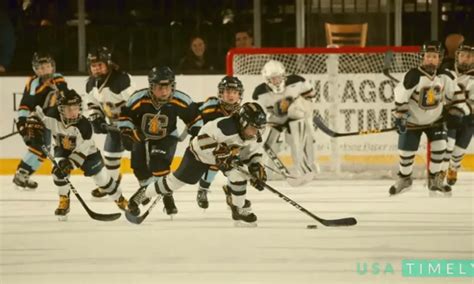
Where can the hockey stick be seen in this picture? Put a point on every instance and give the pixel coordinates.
(317, 120)
(293, 181)
(349, 221)
(92, 214)
(139, 219)
(387, 62)
(280, 173)
(9, 135)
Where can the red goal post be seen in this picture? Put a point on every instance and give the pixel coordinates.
(352, 94)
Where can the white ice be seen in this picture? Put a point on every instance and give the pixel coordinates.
(205, 247)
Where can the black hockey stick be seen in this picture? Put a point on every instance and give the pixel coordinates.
(92, 214)
(387, 63)
(9, 135)
(317, 120)
(139, 219)
(349, 221)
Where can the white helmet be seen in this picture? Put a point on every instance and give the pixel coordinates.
(274, 73)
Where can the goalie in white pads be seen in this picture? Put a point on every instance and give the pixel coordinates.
(460, 135)
(419, 102)
(288, 103)
(223, 142)
(74, 148)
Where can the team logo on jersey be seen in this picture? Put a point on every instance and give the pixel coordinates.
(430, 97)
(66, 142)
(154, 125)
(111, 110)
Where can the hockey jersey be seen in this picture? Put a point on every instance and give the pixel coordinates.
(41, 93)
(105, 97)
(424, 96)
(464, 96)
(224, 130)
(295, 86)
(208, 111)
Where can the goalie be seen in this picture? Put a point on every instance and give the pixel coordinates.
(288, 103)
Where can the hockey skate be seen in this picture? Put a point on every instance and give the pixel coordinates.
(137, 199)
(99, 192)
(22, 180)
(228, 199)
(243, 217)
(436, 187)
(169, 206)
(403, 184)
(63, 208)
(201, 198)
(122, 203)
(451, 176)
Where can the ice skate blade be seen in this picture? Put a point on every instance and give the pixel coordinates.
(21, 188)
(401, 192)
(241, 224)
(62, 218)
(440, 194)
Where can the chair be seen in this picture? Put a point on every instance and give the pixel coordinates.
(346, 35)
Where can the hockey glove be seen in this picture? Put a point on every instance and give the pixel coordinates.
(226, 157)
(34, 132)
(400, 121)
(281, 106)
(21, 126)
(454, 118)
(99, 123)
(258, 175)
(63, 169)
(130, 136)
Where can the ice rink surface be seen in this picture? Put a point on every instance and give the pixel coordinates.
(205, 247)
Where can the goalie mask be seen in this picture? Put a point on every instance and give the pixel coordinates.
(431, 56)
(274, 73)
(464, 58)
(162, 85)
(99, 61)
(70, 107)
(252, 120)
(230, 93)
(43, 65)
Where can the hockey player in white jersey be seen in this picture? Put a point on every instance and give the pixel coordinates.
(287, 101)
(460, 133)
(419, 103)
(108, 89)
(74, 148)
(223, 142)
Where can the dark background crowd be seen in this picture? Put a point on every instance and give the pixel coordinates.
(193, 36)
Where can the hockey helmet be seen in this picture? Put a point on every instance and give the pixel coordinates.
(70, 107)
(274, 73)
(43, 65)
(162, 76)
(433, 46)
(464, 57)
(252, 114)
(230, 82)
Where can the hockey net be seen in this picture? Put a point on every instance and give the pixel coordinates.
(352, 94)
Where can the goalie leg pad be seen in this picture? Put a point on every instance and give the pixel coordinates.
(301, 143)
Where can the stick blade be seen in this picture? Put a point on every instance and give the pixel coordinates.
(105, 217)
(344, 222)
(136, 219)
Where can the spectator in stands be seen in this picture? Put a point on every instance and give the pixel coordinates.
(452, 42)
(196, 61)
(7, 41)
(243, 39)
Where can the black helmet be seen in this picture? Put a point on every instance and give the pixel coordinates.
(431, 46)
(161, 76)
(101, 54)
(42, 58)
(229, 82)
(69, 98)
(465, 66)
(252, 114)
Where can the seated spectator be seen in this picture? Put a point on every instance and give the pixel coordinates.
(243, 39)
(196, 61)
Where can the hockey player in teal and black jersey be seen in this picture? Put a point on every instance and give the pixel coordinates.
(149, 122)
(419, 102)
(230, 91)
(41, 90)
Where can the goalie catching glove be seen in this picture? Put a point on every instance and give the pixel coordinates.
(258, 175)
(226, 157)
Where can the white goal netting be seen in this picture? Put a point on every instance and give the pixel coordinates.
(352, 94)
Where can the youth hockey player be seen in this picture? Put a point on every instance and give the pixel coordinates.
(108, 89)
(287, 100)
(419, 102)
(222, 142)
(41, 90)
(148, 121)
(230, 91)
(74, 148)
(459, 136)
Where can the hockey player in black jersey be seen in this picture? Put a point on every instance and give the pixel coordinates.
(227, 142)
(230, 91)
(148, 121)
(41, 90)
(460, 134)
(108, 89)
(73, 148)
(419, 102)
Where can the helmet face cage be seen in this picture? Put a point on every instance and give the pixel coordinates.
(468, 64)
(66, 102)
(161, 76)
(431, 47)
(233, 83)
(40, 68)
(252, 114)
(274, 73)
(102, 54)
